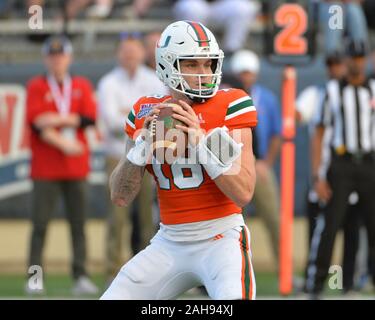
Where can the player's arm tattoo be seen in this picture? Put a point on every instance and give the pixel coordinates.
(126, 179)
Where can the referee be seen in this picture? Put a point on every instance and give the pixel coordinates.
(348, 114)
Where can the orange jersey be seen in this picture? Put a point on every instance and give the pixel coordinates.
(186, 193)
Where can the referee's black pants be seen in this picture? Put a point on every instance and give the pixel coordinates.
(344, 176)
(351, 228)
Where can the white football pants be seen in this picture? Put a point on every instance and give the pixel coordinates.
(166, 269)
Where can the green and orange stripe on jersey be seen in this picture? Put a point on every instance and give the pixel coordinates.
(200, 33)
(130, 120)
(239, 106)
(248, 285)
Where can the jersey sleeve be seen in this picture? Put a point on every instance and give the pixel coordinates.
(241, 112)
(138, 114)
(130, 125)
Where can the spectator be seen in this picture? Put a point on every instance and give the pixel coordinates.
(99, 9)
(267, 137)
(59, 107)
(72, 8)
(117, 92)
(4, 9)
(235, 15)
(141, 7)
(150, 41)
(95, 8)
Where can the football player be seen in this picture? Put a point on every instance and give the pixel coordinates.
(203, 239)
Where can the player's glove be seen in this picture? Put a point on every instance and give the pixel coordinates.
(217, 151)
(140, 153)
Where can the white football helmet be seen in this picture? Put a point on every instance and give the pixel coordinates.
(188, 40)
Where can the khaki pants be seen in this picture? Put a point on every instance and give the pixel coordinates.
(119, 225)
(267, 203)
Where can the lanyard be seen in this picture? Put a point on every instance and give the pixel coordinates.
(63, 100)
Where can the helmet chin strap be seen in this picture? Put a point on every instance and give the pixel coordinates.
(196, 99)
(191, 94)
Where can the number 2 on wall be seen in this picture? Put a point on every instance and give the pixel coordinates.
(293, 19)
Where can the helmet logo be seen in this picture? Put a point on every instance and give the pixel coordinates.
(166, 43)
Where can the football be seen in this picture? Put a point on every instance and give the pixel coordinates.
(168, 142)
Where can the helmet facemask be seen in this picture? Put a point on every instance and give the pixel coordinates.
(205, 90)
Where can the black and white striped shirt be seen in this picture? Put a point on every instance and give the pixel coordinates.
(350, 112)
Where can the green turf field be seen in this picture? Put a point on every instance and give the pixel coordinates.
(59, 287)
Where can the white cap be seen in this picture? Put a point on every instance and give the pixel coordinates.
(245, 60)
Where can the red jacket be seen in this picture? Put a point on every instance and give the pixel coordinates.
(47, 162)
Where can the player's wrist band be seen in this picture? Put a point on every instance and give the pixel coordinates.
(138, 154)
(217, 151)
